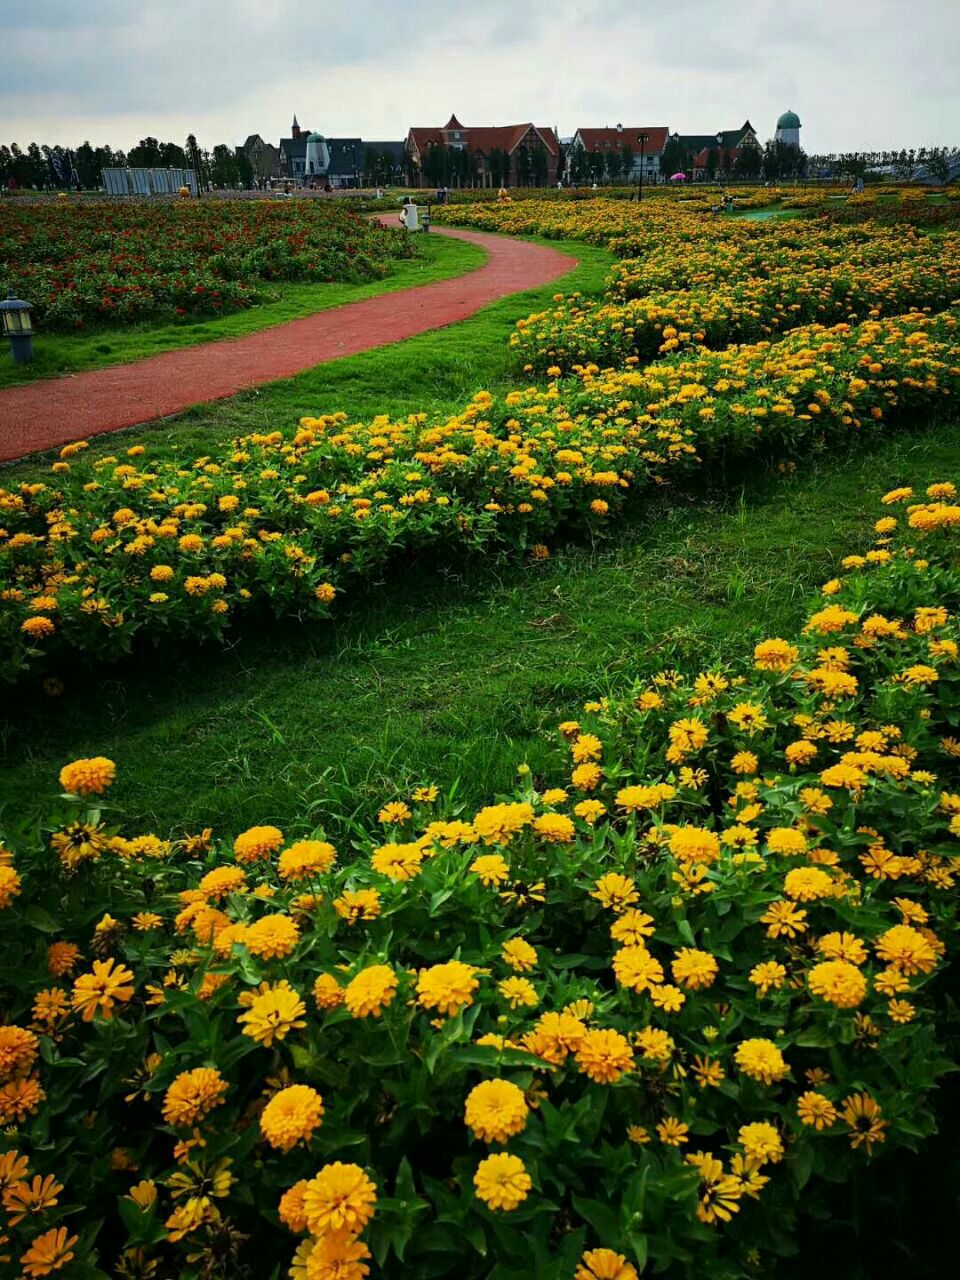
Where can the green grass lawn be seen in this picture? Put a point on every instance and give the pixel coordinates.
(456, 674)
(435, 371)
(439, 259)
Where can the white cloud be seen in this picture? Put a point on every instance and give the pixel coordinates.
(861, 73)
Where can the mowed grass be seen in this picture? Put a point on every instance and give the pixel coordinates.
(439, 258)
(455, 674)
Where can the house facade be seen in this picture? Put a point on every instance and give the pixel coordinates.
(485, 156)
(708, 155)
(264, 158)
(620, 153)
(310, 159)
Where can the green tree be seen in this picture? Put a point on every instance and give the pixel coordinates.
(523, 167)
(147, 154)
(749, 161)
(88, 168)
(938, 163)
(539, 165)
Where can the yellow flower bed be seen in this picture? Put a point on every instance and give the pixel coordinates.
(687, 281)
(112, 549)
(638, 1015)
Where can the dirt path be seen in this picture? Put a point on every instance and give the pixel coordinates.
(54, 411)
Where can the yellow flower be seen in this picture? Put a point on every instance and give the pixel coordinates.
(490, 868)
(398, 862)
(192, 1096)
(761, 1142)
(49, 1252)
(632, 928)
(861, 1113)
(88, 777)
(306, 859)
(519, 955)
(906, 949)
(499, 823)
(336, 1255)
(554, 828)
(502, 1182)
(496, 1110)
(340, 1197)
(357, 904)
(394, 812)
(604, 1264)
(273, 1013)
(636, 969)
(775, 655)
(10, 884)
(615, 892)
(672, 1132)
(694, 969)
(371, 991)
(99, 991)
(18, 1051)
(272, 937)
(816, 1110)
(448, 988)
(257, 843)
(144, 1194)
(604, 1055)
(807, 884)
(767, 974)
(220, 882)
(62, 957)
(761, 1060)
(291, 1116)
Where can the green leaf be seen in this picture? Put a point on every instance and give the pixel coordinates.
(42, 920)
(640, 1247)
(603, 1219)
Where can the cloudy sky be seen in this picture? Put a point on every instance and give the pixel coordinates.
(862, 74)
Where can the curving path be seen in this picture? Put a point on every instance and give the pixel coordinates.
(54, 411)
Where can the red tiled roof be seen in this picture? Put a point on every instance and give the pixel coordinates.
(616, 139)
(485, 138)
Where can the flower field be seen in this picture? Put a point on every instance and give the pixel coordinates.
(687, 281)
(640, 1016)
(635, 1015)
(108, 550)
(112, 263)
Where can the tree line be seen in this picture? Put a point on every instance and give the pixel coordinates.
(938, 162)
(60, 168)
(444, 166)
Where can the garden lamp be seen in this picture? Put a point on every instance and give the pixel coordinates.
(18, 327)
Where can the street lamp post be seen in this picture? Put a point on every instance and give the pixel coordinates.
(643, 139)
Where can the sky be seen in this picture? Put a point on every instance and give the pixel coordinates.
(861, 74)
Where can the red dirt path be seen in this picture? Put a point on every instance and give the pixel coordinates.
(54, 411)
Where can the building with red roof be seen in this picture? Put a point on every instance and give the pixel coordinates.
(485, 155)
(620, 154)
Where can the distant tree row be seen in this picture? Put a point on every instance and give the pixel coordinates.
(600, 166)
(444, 166)
(62, 168)
(936, 161)
(380, 168)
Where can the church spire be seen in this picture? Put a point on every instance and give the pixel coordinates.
(295, 127)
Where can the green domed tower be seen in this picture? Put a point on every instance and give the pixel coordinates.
(788, 129)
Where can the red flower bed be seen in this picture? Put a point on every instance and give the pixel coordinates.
(119, 262)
